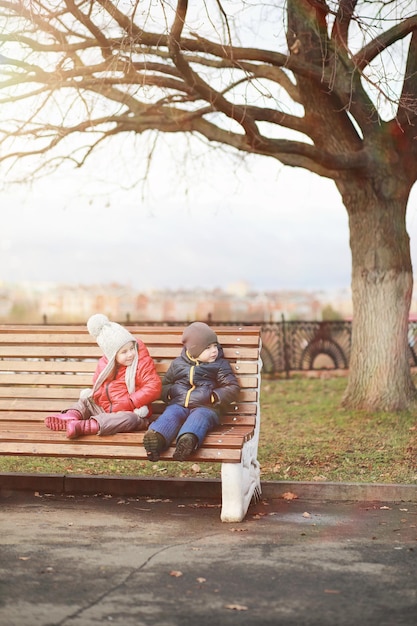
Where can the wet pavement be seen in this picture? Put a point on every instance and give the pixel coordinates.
(82, 560)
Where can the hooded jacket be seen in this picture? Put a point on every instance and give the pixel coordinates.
(192, 384)
(112, 396)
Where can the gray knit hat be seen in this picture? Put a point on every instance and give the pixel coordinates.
(197, 337)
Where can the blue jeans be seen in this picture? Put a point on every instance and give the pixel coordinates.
(177, 420)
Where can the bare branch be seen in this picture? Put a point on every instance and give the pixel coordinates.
(178, 80)
(407, 113)
(216, 100)
(342, 22)
(377, 45)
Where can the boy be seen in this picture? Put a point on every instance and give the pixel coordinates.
(198, 387)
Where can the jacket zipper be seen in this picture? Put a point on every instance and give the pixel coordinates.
(189, 392)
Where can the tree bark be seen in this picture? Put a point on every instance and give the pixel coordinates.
(382, 283)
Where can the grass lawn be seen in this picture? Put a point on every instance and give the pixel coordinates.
(305, 435)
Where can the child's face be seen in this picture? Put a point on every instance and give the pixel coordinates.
(126, 354)
(209, 355)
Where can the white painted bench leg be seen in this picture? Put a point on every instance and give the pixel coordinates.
(240, 483)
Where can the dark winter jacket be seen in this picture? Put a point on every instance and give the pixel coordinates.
(191, 383)
(113, 396)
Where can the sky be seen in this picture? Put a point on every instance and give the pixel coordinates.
(196, 217)
(201, 219)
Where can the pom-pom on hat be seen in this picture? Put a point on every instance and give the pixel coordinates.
(197, 337)
(110, 336)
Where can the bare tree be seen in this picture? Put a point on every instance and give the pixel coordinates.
(341, 83)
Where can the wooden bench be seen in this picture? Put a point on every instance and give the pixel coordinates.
(44, 367)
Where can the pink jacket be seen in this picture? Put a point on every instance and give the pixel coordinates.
(112, 395)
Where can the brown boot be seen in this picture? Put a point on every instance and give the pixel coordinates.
(186, 445)
(78, 428)
(59, 421)
(153, 443)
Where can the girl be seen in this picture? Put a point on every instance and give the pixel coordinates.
(124, 385)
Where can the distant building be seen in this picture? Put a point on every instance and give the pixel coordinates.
(70, 303)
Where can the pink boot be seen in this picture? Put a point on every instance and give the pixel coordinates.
(59, 421)
(77, 428)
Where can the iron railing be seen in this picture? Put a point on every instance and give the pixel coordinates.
(292, 346)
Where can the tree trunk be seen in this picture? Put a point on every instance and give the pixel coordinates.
(382, 283)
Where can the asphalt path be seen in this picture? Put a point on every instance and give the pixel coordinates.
(83, 560)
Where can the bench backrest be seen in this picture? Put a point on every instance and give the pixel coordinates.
(44, 367)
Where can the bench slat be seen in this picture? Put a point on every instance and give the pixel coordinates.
(160, 333)
(72, 379)
(24, 366)
(63, 352)
(8, 394)
(9, 419)
(86, 449)
(231, 437)
(150, 339)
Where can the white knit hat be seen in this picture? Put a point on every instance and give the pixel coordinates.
(111, 336)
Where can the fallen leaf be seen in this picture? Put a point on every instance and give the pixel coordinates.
(201, 580)
(385, 508)
(24, 558)
(175, 573)
(195, 468)
(403, 509)
(288, 495)
(305, 514)
(236, 607)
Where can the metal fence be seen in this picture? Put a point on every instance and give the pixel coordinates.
(292, 346)
(296, 346)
